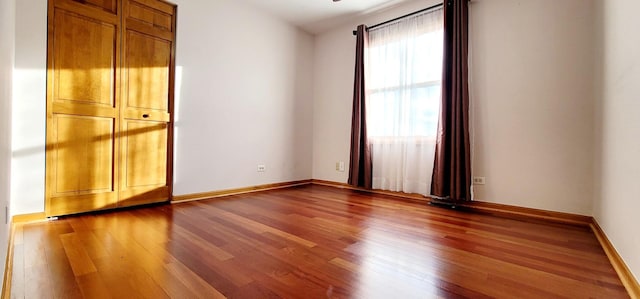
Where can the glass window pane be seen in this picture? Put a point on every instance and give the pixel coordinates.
(403, 83)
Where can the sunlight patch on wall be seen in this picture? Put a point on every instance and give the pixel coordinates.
(28, 141)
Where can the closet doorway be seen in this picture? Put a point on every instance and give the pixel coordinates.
(109, 104)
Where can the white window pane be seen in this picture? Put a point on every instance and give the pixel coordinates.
(403, 80)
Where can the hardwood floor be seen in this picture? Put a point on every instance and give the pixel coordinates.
(307, 242)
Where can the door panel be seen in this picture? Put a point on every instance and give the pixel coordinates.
(147, 102)
(150, 16)
(81, 164)
(144, 162)
(107, 5)
(147, 70)
(82, 110)
(80, 169)
(84, 54)
(84, 149)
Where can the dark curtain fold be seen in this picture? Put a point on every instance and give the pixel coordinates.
(452, 166)
(360, 158)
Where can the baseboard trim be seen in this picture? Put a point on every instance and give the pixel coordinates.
(480, 206)
(627, 278)
(413, 196)
(236, 191)
(515, 211)
(8, 265)
(32, 217)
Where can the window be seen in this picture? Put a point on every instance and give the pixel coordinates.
(403, 82)
(404, 62)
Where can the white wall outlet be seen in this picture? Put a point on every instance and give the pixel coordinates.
(341, 166)
(337, 166)
(262, 168)
(478, 180)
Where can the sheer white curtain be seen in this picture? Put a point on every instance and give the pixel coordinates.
(403, 78)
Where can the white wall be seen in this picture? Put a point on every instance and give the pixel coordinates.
(334, 63)
(245, 98)
(7, 15)
(29, 107)
(618, 144)
(532, 101)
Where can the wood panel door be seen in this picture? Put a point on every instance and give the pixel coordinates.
(82, 106)
(109, 104)
(147, 100)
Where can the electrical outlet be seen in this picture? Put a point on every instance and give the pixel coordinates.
(262, 168)
(337, 166)
(341, 166)
(478, 180)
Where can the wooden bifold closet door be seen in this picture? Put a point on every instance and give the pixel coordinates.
(109, 104)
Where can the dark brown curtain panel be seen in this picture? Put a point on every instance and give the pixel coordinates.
(360, 160)
(452, 166)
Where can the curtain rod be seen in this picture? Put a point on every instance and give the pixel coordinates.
(402, 17)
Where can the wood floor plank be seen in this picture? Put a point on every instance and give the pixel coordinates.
(62, 277)
(221, 268)
(259, 227)
(194, 282)
(308, 242)
(38, 282)
(93, 286)
(78, 257)
(111, 274)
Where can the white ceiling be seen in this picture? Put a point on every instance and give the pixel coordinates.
(316, 16)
